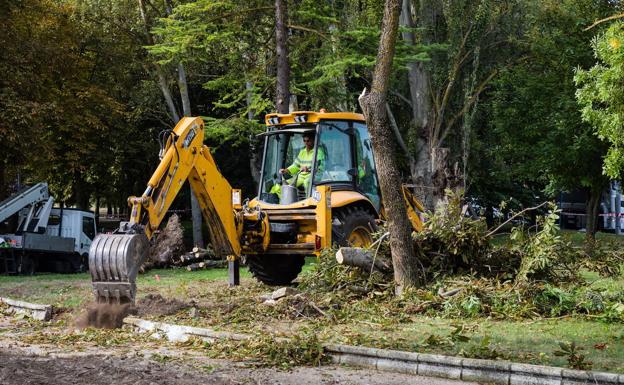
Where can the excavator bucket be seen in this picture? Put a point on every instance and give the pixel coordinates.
(114, 261)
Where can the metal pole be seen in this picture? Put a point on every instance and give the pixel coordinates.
(618, 209)
(233, 271)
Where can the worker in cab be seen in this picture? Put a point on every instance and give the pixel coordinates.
(301, 168)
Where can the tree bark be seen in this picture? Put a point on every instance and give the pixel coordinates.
(97, 210)
(255, 158)
(282, 94)
(593, 205)
(404, 261)
(162, 79)
(183, 87)
(420, 97)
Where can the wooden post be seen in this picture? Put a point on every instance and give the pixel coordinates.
(233, 271)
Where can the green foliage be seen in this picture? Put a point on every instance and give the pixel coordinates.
(452, 243)
(600, 95)
(484, 349)
(576, 360)
(236, 132)
(303, 349)
(537, 142)
(545, 252)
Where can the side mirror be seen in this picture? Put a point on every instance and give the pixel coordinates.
(352, 172)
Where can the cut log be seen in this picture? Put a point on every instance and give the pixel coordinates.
(362, 258)
(208, 264)
(198, 252)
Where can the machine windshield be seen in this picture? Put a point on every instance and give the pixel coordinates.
(289, 160)
(305, 156)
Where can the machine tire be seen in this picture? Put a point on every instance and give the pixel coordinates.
(275, 270)
(350, 219)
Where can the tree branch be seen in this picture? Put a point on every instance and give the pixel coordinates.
(403, 98)
(514, 216)
(467, 105)
(306, 29)
(447, 92)
(613, 17)
(397, 133)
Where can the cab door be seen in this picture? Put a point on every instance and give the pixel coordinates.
(87, 233)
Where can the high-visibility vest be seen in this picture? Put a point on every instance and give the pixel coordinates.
(305, 158)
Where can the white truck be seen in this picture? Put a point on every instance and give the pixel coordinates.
(41, 237)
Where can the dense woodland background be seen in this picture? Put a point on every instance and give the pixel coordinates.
(483, 92)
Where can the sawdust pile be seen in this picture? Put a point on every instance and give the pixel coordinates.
(104, 316)
(169, 245)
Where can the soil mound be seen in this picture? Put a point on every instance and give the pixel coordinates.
(155, 304)
(104, 316)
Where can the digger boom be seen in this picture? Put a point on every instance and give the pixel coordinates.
(114, 259)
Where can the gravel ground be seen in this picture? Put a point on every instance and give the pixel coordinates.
(36, 365)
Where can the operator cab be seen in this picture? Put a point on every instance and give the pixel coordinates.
(340, 155)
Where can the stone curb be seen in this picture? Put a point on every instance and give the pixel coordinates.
(468, 369)
(432, 365)
(33, 310)
(180, 333)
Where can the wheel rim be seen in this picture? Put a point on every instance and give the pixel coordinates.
(360, 237)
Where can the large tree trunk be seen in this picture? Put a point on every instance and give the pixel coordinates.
(162, 79)
(420, 97)
(406, 272)
(81, 193)
(255, 158)
(282, 94)
(593, 205)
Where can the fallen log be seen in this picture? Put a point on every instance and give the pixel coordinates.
(187, 259)
(362, 258)
(208, 264)
(198, 252)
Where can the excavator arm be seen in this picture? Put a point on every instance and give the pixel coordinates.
(114, 259)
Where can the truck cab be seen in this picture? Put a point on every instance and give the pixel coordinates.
(73, 223)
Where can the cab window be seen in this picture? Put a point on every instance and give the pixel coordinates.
(366, 172)
(88, 227)
(335, 145)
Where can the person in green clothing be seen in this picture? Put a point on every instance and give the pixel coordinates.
(303, 165)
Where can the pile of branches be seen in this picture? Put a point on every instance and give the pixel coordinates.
(535, 273)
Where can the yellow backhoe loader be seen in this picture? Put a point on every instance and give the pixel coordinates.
(318, 187)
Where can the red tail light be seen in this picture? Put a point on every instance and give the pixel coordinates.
(317, 242)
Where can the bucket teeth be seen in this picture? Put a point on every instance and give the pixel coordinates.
(114, 262)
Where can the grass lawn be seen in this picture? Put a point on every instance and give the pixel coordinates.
(576, 237)
(367, 322)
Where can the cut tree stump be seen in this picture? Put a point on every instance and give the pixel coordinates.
(362, 258)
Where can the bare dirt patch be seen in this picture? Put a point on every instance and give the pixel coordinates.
(20, 367)
(110, 316)
(157, 305)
